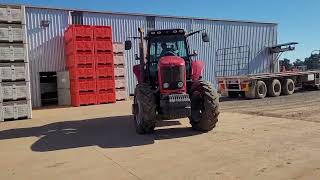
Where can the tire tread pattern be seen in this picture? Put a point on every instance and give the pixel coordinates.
(146, 96)
(210, 108)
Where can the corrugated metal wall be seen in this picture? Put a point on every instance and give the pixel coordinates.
(46, 48)
(123, 26)
(224, 34)
(168, 23)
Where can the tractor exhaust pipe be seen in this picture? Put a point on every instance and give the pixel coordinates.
(142, 53)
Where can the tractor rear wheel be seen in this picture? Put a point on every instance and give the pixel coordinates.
(204, 106)
(144, 109)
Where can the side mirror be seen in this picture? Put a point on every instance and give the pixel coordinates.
(127, 45)
(136, 57)
(194, 53)
(205, 37)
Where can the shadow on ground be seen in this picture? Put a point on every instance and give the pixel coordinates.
(110, 132)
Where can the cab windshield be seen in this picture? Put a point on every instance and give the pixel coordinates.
(167, 45)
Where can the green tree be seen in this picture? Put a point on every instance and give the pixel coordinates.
(313, 62)
(298, 63)
(286, 63)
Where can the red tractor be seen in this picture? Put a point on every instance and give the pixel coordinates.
(169, 82)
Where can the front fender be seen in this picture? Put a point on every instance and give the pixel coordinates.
(197, 69)
(136, 71)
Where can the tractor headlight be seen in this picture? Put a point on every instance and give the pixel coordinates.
(180, 84)
(166, 85)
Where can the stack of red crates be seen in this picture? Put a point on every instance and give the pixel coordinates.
(79, 42)
(103, 50)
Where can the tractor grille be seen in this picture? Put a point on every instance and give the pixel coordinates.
(172, 75)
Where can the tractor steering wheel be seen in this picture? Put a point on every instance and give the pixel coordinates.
(169, 53)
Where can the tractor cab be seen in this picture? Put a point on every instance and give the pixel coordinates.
(165, 43)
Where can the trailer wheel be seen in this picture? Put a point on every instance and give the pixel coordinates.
(261, 90)
(288, 87)
(274, 88)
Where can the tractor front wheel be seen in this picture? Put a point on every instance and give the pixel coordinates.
(204, 106)
(144, 109)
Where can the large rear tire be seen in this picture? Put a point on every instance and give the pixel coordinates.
(204, 106)
(144, 109)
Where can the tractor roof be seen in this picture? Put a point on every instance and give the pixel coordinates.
(166, 32)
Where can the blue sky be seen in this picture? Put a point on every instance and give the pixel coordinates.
(298, 19)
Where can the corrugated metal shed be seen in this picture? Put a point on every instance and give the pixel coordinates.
(47, 49)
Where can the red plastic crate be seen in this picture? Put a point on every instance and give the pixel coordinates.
(82, 71)
(104, 71)
(82, 47)
(83, 98)
(74, 60)
(106, 58)
(102, 33)
(78, 85)
(101, 47)
(105, 83)
(106, 97)
(78, 32)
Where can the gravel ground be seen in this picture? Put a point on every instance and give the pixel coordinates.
(99, 142)
(301, 106)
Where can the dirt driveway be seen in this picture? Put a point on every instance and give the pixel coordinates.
(98, 142)
(301, 106)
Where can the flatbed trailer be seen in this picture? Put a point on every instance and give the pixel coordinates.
(268, 84)
(234, 78)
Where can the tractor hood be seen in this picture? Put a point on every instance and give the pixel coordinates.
(172, 75)
(171, 61)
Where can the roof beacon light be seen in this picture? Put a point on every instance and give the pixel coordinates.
(174, 31)
(159, 32)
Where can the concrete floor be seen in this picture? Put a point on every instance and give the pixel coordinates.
(99, 142)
